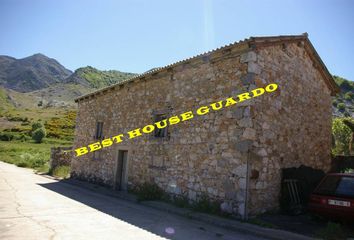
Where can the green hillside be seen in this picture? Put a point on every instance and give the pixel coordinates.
(97, 79)
(343, 103)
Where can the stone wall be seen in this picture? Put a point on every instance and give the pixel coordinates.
(293, 125)
(202, 155)
(60, 156)
(209, 154)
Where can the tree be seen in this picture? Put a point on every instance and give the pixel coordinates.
(342, 134)
(38, 135)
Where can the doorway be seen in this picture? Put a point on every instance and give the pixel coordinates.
(121, 172)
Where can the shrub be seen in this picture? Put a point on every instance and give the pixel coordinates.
(348, 170)
(333, 231)
(22, 137)
(36, 125)
(204, 204)
(342, 135)
(6, 136)
(61, 171)
(22, 164)
(181, 201)
(38, 135)
(341, 106)
(32, 160)
(148, 191)
(349, 96)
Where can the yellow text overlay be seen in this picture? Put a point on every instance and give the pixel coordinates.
(175, 119)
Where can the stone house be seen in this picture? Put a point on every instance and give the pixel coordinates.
(234, 155)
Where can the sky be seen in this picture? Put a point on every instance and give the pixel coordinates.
(136, 35)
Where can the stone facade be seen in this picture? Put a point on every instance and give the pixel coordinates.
(234, 154)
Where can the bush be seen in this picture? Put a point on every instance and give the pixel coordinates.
(333, 231)
(349, 96)
(204, 204)
(22, 137)
(341, 106)
(61, 171)
(342, 135)
(6, 136)
(31, 160)
(180, 201)
(148, 191)
(334, 103)
(36, 125)
(38, 135)
(22, 164)
(348, 170)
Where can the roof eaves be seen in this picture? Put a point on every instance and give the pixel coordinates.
(159, 69)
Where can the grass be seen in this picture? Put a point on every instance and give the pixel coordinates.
(29, 154)
(61, 171)
(151, 191)
(333, 231)
(259, 222)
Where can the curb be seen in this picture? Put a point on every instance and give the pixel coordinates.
(235, 225)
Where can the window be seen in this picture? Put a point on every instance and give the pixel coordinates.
(346, 187)
(337, 186)
(161, 132)
(99, 128)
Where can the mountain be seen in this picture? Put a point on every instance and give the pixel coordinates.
(343, 103)
(40, 81)
(94, 78)
(31, 73)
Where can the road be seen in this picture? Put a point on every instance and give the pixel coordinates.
(37, 207)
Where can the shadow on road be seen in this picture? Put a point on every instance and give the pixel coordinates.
(148, 219)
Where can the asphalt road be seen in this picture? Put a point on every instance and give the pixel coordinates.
(36, 207)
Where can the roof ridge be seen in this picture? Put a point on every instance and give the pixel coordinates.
(269, 39)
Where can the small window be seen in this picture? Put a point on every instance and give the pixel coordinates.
(99, 128)
(160, 132)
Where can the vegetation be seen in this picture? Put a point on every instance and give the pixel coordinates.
(36, 126)
(341, 106)
(204, 204)
(333, 231)
(148, 191)
(344, 101)
(29, 154)
(61, 171)
(348, 170)
(342, 135)
(38, 135)
(259, 222)
(62, 127)
(99, 79)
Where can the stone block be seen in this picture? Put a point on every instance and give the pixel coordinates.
(254, 68)
(243, 146)
(226, 207)
(249, 133)
(248, 57)
(248, 79)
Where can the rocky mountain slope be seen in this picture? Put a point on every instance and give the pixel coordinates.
(31, 73)
(40, 81)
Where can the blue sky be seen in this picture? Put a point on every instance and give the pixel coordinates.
(137, 35)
